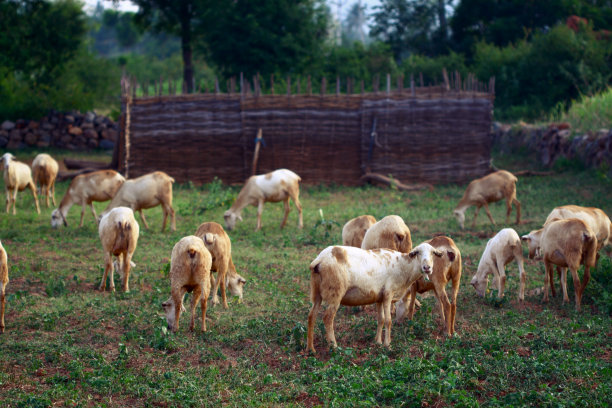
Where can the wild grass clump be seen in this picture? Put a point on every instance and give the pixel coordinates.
(587, 115)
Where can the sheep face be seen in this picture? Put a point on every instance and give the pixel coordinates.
(460, 216)
(6, 159)
(169, 308)
(230, 219)
(425, 253)
(235, 284)
(57, 219)
(480, 281)
(533, 243)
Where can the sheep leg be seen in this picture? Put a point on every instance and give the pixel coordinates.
(563, 279)
(445, 308)
(380, 319)
(518, 255)
(167, 209)
(177, 298)
(486, 207)
(260, 205)
(328, 320)
(2, 305)
(108, 266)
(296, 200)
(387, 319)
(8, 200)
(53, 193)
(456, 282)
(547, 278)
(585, 279)
(577, 292)
(33, 188)
(83, 212)
(126, 271)
(517, 204)
(312, 316)
(203, 307)
(475, 215)
(197, 293)
(287, 209)
(220, 281)
(142, 217)
(501, 278)
(15, 201)
(411, 306)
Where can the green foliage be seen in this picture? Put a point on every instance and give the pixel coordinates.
(589, 114)
(600, 285)
(431, 68)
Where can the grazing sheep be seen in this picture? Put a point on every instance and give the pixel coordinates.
(568, 244)
(144, 192)
(219, 245)
(355, 229)
(391, 232)
(119, 235)
(352, 277)
(45, 168)
(101, 185)
(278, 185)
(17, 176)
(4, 280)
(189, 272)
(489, 189)
(445, 269)
(499, 252)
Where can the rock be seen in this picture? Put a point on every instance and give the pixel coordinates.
(66, 139)
(33, 125)
(89, 117)
(107, 144)
(87, 125)
(92, 143)
(48, 126)
(20, 124)
(30, 139)
(42, 143)
(109, 134)
(75, 130)
(69, 119)
(15, 135)
(8, 125)
(3, 141)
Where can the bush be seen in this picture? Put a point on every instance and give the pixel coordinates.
(431, 68)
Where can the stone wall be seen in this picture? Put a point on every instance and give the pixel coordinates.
(73, 131)
(555, 141)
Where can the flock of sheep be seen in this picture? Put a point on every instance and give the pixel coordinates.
(376, 264)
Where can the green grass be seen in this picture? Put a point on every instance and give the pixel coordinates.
(67, 344)
(589, 114)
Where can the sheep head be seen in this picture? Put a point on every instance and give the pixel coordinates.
(460, 216)
(7, 158)
(424, 253)
(235, 284)
(230, 218)
(57, 219)
(169, 309)
(480, 280)
(533, 243)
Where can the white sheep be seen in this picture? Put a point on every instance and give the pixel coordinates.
(489, 189)
(219, 245)
(118, 232)
(144, 192)
(189, 272)
(4, 280)
(44, 169)
(391, 232)
(279, 185)
(355, 229)
(101, 185)
(504, 247)
(17, 176)
(352, 277)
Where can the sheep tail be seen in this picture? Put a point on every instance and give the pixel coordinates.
(122, 238)
(590, 250)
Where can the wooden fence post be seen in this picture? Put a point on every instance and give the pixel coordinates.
(258, 140)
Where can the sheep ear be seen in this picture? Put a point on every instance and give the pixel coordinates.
(240, 217)
(63, 219)
(525, 238)
(451, 255)
(241, 280)
(165, 304)
(413, 253)
(438, 253)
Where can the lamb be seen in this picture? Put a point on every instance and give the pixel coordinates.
(118, 232)
(4, 280)
(355, 229)
(219, 245)
(278, 185)
(489, 189)
(17, 176)
(45, 168)
(189, 272)
(445, 269)
(101, 185)
(568, 244)
(144, 192)
(391, 232)
(504, 247)
(353, 277)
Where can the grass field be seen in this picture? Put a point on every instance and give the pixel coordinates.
(67, 344)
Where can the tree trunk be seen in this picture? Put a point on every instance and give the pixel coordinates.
(186, 47)
(442, 20)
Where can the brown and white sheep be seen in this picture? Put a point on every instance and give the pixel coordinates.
(354, 230)
(189, 272)
(118, 232)
(504, 247)
(219, 245)
(144, 192)
(101, 185)
(278, 185)
(445, 269)
(17, 176)
(391, 232)
(489, 189)
(353, 277)
(44, 169)
(4, 280)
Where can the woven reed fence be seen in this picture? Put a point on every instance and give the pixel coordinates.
(435, 134)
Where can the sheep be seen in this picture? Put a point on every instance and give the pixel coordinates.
(144, 192)
(504, 247)
(17, 176)
(391, 232)
(353, 276)
(568, 244)
(219, 245)
(489, 189)
(118, 232)
(355, 229)
(445, 269)
(278, 185)
(189, 272)
(45, 168)
(4, 280)
(101, 185)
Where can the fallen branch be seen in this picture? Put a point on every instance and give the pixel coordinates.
(533, 173)
(379, 178)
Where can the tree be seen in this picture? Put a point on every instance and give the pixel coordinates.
(354, 23)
